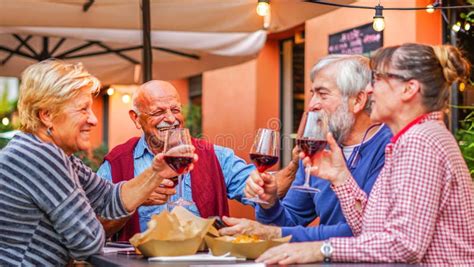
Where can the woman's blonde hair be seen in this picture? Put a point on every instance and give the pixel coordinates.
(48, 85)
(435, 67)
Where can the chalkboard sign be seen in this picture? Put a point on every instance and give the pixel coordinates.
(360, 40)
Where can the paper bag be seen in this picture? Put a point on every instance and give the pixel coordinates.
(172, 234)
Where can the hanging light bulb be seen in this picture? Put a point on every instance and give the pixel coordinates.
(263, 8)
(126, 98)
(467, 26)
(379, 22)
(430, 9)
(456, 27)
(110, 91)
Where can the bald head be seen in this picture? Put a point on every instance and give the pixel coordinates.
(156, 106)
(152, 90)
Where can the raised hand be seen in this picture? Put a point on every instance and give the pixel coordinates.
(262, 185)
(294, 253)
(328, 164)
(249, 227)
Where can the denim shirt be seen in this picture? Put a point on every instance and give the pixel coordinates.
(235, 170)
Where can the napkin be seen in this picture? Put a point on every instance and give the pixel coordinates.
(198, 257)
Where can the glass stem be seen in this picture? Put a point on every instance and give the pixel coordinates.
(306, 177)
(180, 186)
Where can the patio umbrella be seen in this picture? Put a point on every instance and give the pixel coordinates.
(187, 36)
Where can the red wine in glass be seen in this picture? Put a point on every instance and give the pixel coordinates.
(311, 146)
(179, 155)
(311, 139)
(264, 153)
(178, 163)
(263, 162)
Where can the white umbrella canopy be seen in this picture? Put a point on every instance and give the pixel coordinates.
(207, 34)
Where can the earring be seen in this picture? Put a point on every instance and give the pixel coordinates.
(48, 132)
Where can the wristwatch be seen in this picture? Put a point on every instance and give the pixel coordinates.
(327, 250)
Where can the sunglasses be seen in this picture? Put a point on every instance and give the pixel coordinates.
(376, 76)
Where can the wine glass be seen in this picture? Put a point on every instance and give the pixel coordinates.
(264, 153)
(311, 139)
(178, 154)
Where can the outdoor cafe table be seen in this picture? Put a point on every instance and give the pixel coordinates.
(112, 260)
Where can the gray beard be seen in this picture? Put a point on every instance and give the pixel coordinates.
(341, 122)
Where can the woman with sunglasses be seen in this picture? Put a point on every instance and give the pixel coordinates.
(421, 209)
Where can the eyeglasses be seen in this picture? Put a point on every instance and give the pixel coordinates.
(376, 76)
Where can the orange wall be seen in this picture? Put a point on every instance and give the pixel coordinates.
(237, 101)
(96, 134)
(121, 127)
(229, 106)
(400, 27)
(268, 86)
(428, 26)
(182, 86)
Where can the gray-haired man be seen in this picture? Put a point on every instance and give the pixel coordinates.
(338, 89)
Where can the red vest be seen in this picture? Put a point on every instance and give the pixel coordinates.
(207, 181)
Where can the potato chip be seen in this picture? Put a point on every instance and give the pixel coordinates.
(246, 239)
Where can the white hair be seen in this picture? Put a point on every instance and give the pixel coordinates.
(352, 76)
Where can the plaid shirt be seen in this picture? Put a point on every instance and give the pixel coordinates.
(421, 208)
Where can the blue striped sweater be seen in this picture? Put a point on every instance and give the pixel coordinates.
(48, 205)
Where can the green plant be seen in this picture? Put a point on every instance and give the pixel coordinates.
(193, 116)
(95, 158)
(3, 142)
(465, 138)
(6, 106)
(4, 128)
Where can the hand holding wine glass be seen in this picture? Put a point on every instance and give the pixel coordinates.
(330, 164)
(264, 154)
(162, 193)
(311, 138)
(179, 155)
(264, 186)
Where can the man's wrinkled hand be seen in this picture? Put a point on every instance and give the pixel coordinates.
(262, 185)
(249, 227)
(295, 152)
(161, 194)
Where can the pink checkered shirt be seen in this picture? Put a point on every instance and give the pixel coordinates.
(421, 208)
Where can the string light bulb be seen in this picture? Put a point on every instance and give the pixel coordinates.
(430, 9)
(456, 27)
(379, 22)
(263, 8)
(5, 121)
(126, 98)
(110, 91)
(467, 26)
